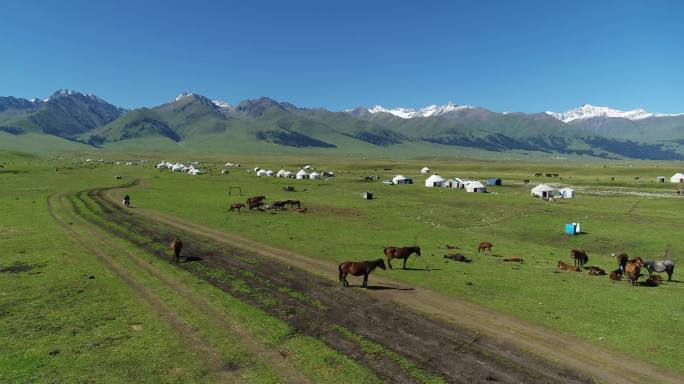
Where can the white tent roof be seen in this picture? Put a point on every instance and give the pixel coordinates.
(425, 170)
(677, 176)
(541, 189)
(281, 172)
(261, 172)
(314, 174)
(566, 189)
(287, 173)
(430, 181)
(398, 177)
(301, 172)
(195, 171)
(475, 184)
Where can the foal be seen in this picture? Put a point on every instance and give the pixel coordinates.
(400, 253)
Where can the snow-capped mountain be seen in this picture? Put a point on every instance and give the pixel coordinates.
(183, 95)
(588, 111)
(409, 113)
(221, 104)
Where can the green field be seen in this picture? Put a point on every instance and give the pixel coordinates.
(58, 322)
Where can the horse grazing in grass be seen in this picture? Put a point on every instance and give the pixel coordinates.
(236, 207)
(292, 203)
(400, 253)
(177, 246)
(622, 261)
(660, 266)
(358, 268)
(255, 205)
(255, 199)
(633, 269)
(580, 257)
(485, 246)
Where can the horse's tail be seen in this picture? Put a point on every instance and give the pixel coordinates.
(339, 268)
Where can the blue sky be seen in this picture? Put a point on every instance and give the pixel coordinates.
(504, 55)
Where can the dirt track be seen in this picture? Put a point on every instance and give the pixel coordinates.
(477, 345)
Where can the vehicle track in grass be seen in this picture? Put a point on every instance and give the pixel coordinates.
(270, 356)
(446, 348)
(225, 371)
(563, 350)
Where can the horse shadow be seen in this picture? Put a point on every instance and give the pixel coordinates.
(384, 288)
(190, 259)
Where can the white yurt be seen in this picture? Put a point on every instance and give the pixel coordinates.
(302, 175)
(567, 193)
(677, 178)
(177, 168)
(542, 190)
(401, 179)
(270, 173)
(261, 172)
(194, 171)
(451, 183)
(281, 173)
(256, 169)
(434, 181)
(475, 186)
(288, 175)
(314, 175)
(425, 170)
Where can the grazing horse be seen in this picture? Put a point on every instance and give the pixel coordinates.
(526, 181)
(255, 205)
(622, 261)
(255, 199)
(566, 267)
(485, 246)
(236, 207)
(292, 203)
(358, 268)
(633, 269)
(400, 253)
(660, 266)
(177, 246)
(580, 257)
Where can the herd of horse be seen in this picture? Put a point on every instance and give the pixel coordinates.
(625, 267)
(259, 202)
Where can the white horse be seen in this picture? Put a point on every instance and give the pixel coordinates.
(660, 266)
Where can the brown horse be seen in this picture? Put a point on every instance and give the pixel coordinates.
(580, 257)
(566, 267)
(633, 269)
(616, 275)
(236, 207)
(177, 246)
(255, 199)
(292, 203)
(595, 271)
(400, 253)
(622, 261)
(255, 205)
(358, 268)
(485, 246)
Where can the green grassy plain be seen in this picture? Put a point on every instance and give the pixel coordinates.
(341, 226)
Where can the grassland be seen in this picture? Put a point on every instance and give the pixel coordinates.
(58, 322)
(342, 226)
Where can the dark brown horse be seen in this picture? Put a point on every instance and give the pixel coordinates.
(358, 268)
(485, 246)
(255, 199)
(580, 257)
(177, 246)
(595, 271)
(633, 269)
(236, 207)
(622, 261)
(616, 275)
(292, 203)
(400, 253)
(255, 205)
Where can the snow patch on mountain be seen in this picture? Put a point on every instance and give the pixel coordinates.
(409, 113)
(588, 111)
(221, 104)
(182, 96)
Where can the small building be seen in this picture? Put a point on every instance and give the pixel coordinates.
(573, 229)
(677, 178)
(195, 172)
(289, 175)
(434, 181)
(302, 175)
(425, 170)
(314, 175)
(401, 179)
(177, 168)
(475, 186)
(660, 179)
(367, 195)
(270, 173)
(261, 172)
(567, 193)
(281, 173)
(542, 190)
(451, 183)
(494, 181)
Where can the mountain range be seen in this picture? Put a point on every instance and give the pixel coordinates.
(263, 124)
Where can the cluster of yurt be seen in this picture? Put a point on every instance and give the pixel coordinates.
(285, 174)
(544, 191)
(437, 181)
(190, 169)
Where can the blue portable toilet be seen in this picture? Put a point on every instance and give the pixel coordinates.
(572, 229)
